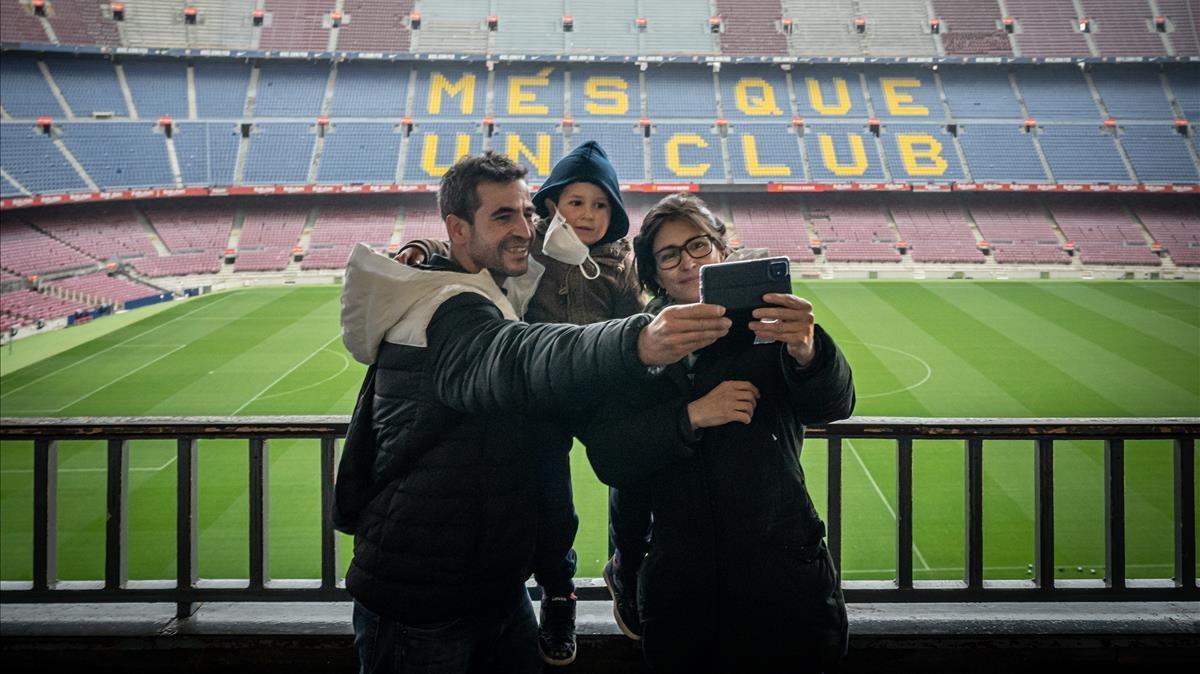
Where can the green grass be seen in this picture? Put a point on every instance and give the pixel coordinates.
(953, 348)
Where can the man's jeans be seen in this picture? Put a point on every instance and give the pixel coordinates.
(499, 639)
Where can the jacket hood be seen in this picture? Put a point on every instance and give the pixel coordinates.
(587, 163)
(383, 300)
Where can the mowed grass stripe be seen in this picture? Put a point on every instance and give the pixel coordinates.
(1133, 311)
(1179, 300)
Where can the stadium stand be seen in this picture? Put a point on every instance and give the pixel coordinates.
(853, 232)
(1101, 234)
(829, 92)
(821, 28)
(25, 251)
(180, 264)
(100, 288)
(1132, 93)
(1185, 84)
(530, 91)
(339, 228)
(366, 89)
(974, 92)
(605, 91)
(907, 94)
(159, 24)
(296, 24)
(130, 154)
(921, 153)
(280, 153)
(81, 22)
(19, 24)
(686, 152)
(450, 90)
(603, 28)
(158, 87)
(10, 189)
(1183, 25)
(30, 156)
(1017, 231)
(935, 230)
(1047, 28)
(760, 152)
(375, 25)
(1082, 154)
(896, 28)
(89, 85)
(622, 141)
(842, 153)
(268, 237)
(287, 89)
(32, 305)
(1056, 93)
(683, 92)
(529, 27)
(1123, 28)
(422, 221)
(755, 93)
(434, 146)
(187, 229)
(107, 232)
(452, 27)
(972, 28)
(751, 28)
(206, 152)
(776, 224)
(24, 92)
(222, 24)
(360, 153)
(1158, 154)
(1001, 153)
(1175, 226)
(536, 146)
(678, 27)
(221, 89)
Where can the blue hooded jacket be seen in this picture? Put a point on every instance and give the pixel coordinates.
(587, 163)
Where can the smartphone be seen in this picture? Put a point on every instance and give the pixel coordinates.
(740, 286)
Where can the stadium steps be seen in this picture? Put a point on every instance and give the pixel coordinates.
(1095, 92)
(1037, 145)
(1076, 263)
(883, 157)
(151, 232)
(58, 94)
(191, 92)
(4, 175)
(1093, 49)
(75, 165)
(126, 94)
(962, 155)
(173, 159)
(334, 33)
(1177, 108)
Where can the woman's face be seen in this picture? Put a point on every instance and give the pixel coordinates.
(585, 207)
(682, 282)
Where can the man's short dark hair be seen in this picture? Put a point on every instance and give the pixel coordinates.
(457, 195)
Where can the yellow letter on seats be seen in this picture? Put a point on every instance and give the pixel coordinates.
(610, 89)
(750, 151)
(521, 102)
(818, 101)
(541, 160)
(931, 152)
(829, 155)
(898, 101)
(762, 103)
(465, 86)
(690, 170)
(462, 148)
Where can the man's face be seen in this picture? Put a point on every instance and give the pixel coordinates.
(502, 231)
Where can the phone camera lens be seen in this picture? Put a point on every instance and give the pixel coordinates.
(778, 269)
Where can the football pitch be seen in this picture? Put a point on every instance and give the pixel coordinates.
(927, 349)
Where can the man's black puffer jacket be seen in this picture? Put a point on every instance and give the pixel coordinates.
(450, 527)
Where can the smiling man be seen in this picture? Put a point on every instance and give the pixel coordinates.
(438, 480)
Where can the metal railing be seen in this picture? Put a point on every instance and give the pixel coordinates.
(187, 589)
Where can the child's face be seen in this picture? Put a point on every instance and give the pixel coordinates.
(585, 207)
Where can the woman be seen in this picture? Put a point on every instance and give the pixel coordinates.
(738, 577)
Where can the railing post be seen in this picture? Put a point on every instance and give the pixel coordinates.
(116, 538)
(973, 517)
(45, 514)
(1043, 518)
(328, 535)
(187, 528)
(904, 513)
(1114, 514)
(833, 518)
(258, 513)
(1185, 513)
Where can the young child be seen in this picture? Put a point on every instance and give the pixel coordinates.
(590, 276)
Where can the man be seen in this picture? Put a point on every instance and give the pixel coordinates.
(436, 481)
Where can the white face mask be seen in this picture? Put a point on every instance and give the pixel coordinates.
(563, 244)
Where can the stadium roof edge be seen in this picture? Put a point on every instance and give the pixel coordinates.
(39, 47)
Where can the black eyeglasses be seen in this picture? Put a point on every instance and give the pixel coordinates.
(697, 247)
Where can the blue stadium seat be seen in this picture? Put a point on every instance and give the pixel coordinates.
(681, 92)
(1158, 154)
(979, 92)
(536, 146)
(31, 158)
(907, 94)
(158, 87)
(280, 153)
(921, 153)
(8, 189)
(1056, 93)
(760, 153)
(221, 89)
(290, 89)
(1082, 154)
(1185, 82)
(434, 146)
(835, 156)
(605, 92)
(118, 155)
(360, 153)
(688, 152)
(450, 91)
(1001, 153)
(367, 89)
(1131, 93)
(207, 152)
(529, 91)
(622, 141)
(829, 92)
(24, 92)
(89, 85)
(755, 93)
